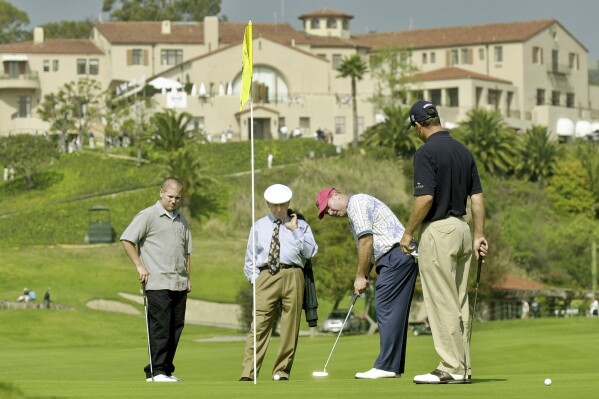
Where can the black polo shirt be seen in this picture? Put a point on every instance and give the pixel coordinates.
(445, 169)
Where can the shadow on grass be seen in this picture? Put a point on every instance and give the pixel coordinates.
(483, 380)
(42, 181)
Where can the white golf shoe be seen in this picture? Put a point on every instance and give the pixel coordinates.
(375, 374)
(172, 377)
(442, 377)
(161, 378)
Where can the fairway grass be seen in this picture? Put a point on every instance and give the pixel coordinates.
(92, 354)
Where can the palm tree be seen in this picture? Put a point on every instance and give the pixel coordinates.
(355, 68)
(171, 131)
(392, 133)
(538, 155)
(491, 141)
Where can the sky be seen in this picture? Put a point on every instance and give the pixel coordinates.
(579, 17)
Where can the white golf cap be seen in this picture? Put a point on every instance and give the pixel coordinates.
(278, 194)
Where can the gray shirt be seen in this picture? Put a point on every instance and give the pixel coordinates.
(162, 244)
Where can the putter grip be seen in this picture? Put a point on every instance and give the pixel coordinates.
(480, 264)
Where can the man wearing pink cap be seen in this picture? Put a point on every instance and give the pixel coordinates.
(377, 232)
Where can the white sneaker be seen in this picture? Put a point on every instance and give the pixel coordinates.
(375, 374)
(172, 377)
(161, 378)
(442, 377)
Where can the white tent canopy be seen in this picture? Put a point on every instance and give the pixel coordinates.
(164, 83)
(583, 128)
(564, 127)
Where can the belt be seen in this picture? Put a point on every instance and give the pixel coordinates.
(283, 266)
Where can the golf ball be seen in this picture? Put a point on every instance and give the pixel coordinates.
(277, 378)
(547, 381)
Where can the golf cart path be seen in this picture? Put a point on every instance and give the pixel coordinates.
(198, 312)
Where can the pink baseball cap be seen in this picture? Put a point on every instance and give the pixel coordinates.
(322, 200)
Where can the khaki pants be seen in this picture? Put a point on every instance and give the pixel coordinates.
(287, 287)
(445, 253)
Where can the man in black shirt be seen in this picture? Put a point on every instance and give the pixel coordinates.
(445, 175)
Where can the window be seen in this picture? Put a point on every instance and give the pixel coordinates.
(555, 98)
(573, 61)
(433, 57)
(24, 107)
(81, 66)
(570, 100)
(340, 125)
(345, 24)
(453, 97)
(435, 96)
(268, 85)
(94, 66)
(315, 22)
(424, 58)
(14, 69)
(540, 96)
(481, 54)
(498, 50)
(136, 57)
(537, 55)
(54, 65)
(332, 23)
(493, 98)
(171, 57)
(464, 56)
(454, 57)
(336, 61)
(46, 66)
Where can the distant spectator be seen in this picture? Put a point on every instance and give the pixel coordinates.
(32, 295)
(25, 296)
(525, 309)
(536, 308)
(269, 160)
(595, 308)
(47, 298)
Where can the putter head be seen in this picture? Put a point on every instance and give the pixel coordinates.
(320, 374)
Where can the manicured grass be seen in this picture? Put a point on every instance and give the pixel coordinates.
(89, 354)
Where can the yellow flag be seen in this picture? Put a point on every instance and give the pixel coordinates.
(247, 66)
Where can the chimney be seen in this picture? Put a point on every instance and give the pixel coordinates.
(38, 35)
(211, 38)
(165, 29)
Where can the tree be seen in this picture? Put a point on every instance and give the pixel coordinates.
(354, 68)
(393, 74)
(170, 130)
(570, 188)
(538, 155)
(26, 154)
(159, 10)
(74, 108)
(12, 23)
(67, 29)
(492, 143)
(392, 134)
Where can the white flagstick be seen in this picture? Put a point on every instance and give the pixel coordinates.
(253, 222)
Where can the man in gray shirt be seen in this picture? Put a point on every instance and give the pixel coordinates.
(158, 242)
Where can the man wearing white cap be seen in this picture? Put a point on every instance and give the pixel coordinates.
(283, 244)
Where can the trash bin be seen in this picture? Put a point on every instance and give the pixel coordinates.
(100, 228)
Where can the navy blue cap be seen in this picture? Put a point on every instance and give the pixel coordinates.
(421, 111)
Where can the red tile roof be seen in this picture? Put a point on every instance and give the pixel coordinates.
(52, 46)
(457, 73)
(325, 12)
(457, 36)
(511, 282)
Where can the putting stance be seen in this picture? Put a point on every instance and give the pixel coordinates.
(377, 232)
(283, 245)
(161, 258)
(445, 175)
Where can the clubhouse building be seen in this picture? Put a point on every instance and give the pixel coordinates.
(532, 72)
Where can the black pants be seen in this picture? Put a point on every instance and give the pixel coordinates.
(166, 314)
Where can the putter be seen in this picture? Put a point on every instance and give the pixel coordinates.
(324, 373)
(480, 264)
(148, 330)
